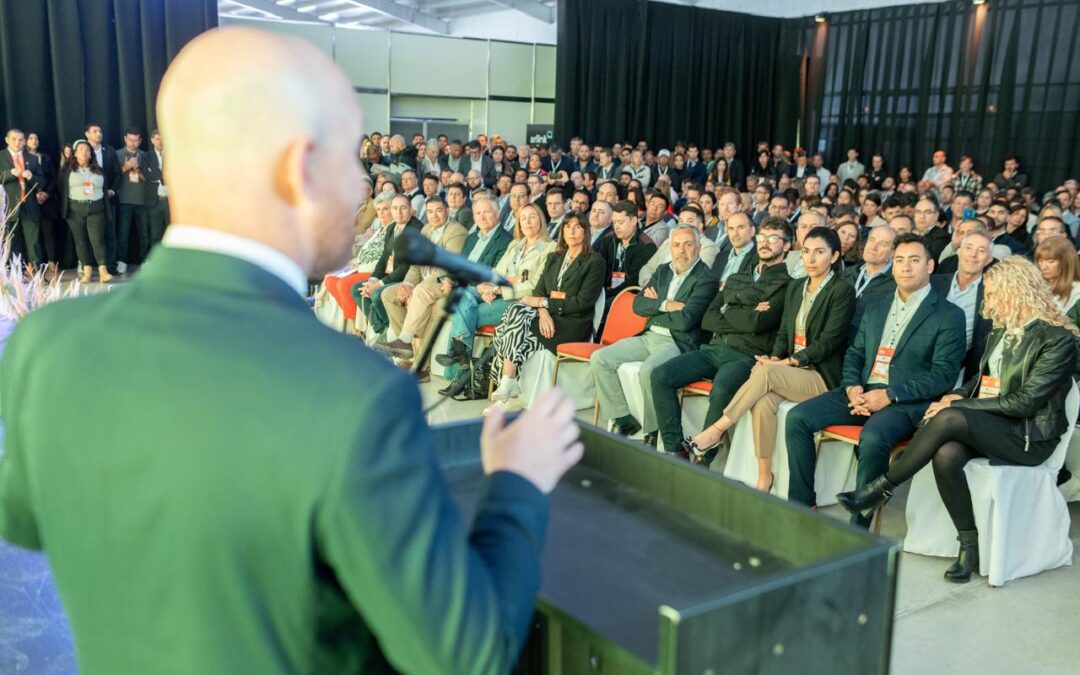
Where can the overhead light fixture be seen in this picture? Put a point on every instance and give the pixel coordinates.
(820, 18)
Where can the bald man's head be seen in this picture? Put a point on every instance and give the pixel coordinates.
(263, 133)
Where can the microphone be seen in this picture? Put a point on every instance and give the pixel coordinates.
(414, 248)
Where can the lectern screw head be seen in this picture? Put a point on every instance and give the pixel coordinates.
(755, 561)
(778, 649)
(586, 483)
(594, 662)
(863, 619)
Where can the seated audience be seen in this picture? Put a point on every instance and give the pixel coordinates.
(690, 215)
(806, 357)
(656, 223)
(455, 204)
(560, 308)
(408, 304)
(999, 227)
(928, 225)
(1012, 409)
(1060, 268)
(738, 250)
(368, 294)
(964, 289)
(600, 216)
(674, 301)
(850, 254)
(521, 262)
(743, 319)
(906, 354)
(625, 252)
(873, 279)
(555, 202)
(807, 221)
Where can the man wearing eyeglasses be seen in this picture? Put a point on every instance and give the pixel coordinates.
(743, 319)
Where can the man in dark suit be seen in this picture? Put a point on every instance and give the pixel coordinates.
(734, 166)
(309, 528)
(556, 161)
(964, 289)
(738, 252)
(20, 175)
(48, 198)
(106, 159)
(743, 318)
(386, 273)
(455, 203)
(873, 279)
(624, 253)
(674, 301)
(476, 160)
(157, 192)
(906, 354)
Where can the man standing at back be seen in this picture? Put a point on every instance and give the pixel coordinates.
(274, 505)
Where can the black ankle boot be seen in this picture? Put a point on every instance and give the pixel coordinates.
(968, 559)
(869, 497)
(456, 354)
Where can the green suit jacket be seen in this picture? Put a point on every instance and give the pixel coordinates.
(219, 489)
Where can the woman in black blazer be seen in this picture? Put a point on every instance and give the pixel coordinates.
(806, 357)
(1011, 410)
(559, 310)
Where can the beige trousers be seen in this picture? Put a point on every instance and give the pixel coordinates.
(412, 317)
(762, 394)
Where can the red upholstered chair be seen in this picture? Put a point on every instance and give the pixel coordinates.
(341, 290)
(621, 323)
(699, 388)
(849, 433)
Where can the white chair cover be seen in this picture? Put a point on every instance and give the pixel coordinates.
(575, 379)
(1022, 518)
(327, 310)
(835, 470)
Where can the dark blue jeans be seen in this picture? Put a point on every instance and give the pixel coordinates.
(881, 431)
(727, 368)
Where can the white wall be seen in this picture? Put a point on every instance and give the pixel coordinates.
(465, 81)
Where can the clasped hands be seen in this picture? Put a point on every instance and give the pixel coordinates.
(865, 403)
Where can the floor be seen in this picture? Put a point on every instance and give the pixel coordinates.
(1029, 626)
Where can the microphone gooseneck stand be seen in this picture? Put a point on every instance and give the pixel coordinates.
(452, 301)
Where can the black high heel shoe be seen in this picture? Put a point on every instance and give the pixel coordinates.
(867, 498)
(703, 456)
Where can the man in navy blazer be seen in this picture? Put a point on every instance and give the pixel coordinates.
(906, 354)
(674, 301)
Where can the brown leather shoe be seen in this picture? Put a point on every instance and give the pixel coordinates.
(87, 274)
(103, 275)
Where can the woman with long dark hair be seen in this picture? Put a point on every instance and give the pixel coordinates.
(560, 308)
(82, 205)
(1011, 410)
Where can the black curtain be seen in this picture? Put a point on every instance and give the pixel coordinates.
(631, 69)
(986, 81)
(64, 63)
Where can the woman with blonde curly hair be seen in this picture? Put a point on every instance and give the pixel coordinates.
(1012, 410)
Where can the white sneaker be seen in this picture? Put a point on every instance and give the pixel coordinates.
(508, 388)
(121, 267)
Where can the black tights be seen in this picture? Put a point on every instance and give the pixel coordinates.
(947, 442)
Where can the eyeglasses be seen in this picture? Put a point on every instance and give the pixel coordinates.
(769, 238)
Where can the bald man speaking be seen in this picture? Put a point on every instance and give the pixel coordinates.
(211, 472)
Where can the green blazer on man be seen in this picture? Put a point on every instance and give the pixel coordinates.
(696, 292)
(496, 246)
(220, 489)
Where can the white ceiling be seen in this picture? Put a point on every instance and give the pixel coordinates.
(514, 20)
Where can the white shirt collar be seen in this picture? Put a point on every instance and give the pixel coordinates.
(270, 259)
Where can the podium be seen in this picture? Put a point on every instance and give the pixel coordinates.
(655, 566)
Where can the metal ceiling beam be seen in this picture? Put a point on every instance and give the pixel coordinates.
(403, 13)
(533, 8)
(280, 11)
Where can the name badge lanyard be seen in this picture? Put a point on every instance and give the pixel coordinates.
(804, 310)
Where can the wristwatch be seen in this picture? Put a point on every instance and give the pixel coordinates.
(544, 302)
